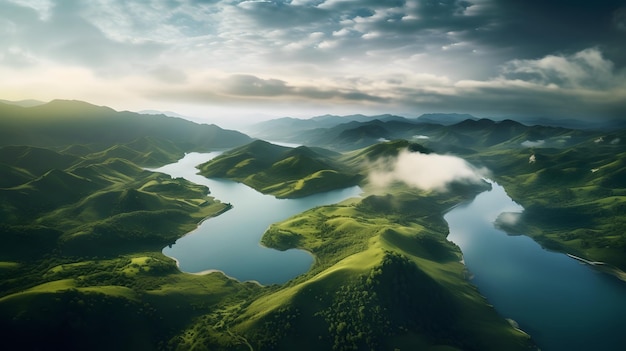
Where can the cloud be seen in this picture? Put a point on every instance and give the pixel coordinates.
(487, 57)
(250, 89)
(530, 143)
(424, 171)
(584, 84)
(248, 85)
(585, 69)
(509, 218)
(60, 33)
(535, 28)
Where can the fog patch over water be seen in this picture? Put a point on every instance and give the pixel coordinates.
(424, 171)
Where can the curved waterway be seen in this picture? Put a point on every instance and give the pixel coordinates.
(562, 303)
(230, 242)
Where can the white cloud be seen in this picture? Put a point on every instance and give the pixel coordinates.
(584, 69)
(424, 171)
(531, 143)
(509, 218)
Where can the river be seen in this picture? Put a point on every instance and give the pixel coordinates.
(562, 303)
(230, 242)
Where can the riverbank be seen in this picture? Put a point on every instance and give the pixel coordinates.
(552, 296)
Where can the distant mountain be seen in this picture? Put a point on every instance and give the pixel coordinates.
(572, 123)
(164, 113)
(279, 170)
(283, 129)
(61, 123)
(464, 137)
(23, 103)
(444, 118)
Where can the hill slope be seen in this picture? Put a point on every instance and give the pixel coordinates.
(280, 171)
(63, 123)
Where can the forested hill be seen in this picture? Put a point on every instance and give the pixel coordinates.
(62, 123)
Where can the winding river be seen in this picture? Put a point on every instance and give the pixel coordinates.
(562, 303)
(230, 242)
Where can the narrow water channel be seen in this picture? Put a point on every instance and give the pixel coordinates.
(230, 242)
(562, 303)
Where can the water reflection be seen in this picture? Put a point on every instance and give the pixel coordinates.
(562, 303)
(230, 242)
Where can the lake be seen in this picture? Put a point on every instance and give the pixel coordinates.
(230, 242)
(562, 303)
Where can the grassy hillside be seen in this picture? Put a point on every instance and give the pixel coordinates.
(280, 171)
(86, 272)
(381, 280)
(573, 192)
(574, 197)
(61, 123)
(80, 264)
(94, 204)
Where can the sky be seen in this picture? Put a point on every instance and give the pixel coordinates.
(251, 60)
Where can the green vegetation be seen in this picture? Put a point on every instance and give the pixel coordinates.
(81, 266)
(381, 280)
(81, 128)
(574, 197)
(281, 171)
(573, 194)
(83, 226)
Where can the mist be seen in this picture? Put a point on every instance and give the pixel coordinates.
(425, 171)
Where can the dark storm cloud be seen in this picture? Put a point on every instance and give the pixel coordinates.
(251, 86)
(241, 87)
(582, 85)
(535, 28)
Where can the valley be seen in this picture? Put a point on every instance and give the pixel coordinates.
(84, 223)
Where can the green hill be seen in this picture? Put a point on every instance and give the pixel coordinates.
(574, 197)
(34, 160)
(78, 199)
(62, 123)
(279, 170)
(381, 280)
(83, 227)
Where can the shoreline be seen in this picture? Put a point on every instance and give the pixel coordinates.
(601, 267)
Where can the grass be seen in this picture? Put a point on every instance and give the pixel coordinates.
(281, 171)
(384, 275)
(568, 207)
(355, 247)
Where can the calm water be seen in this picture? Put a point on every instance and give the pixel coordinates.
(230, 242)
(562, 303)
